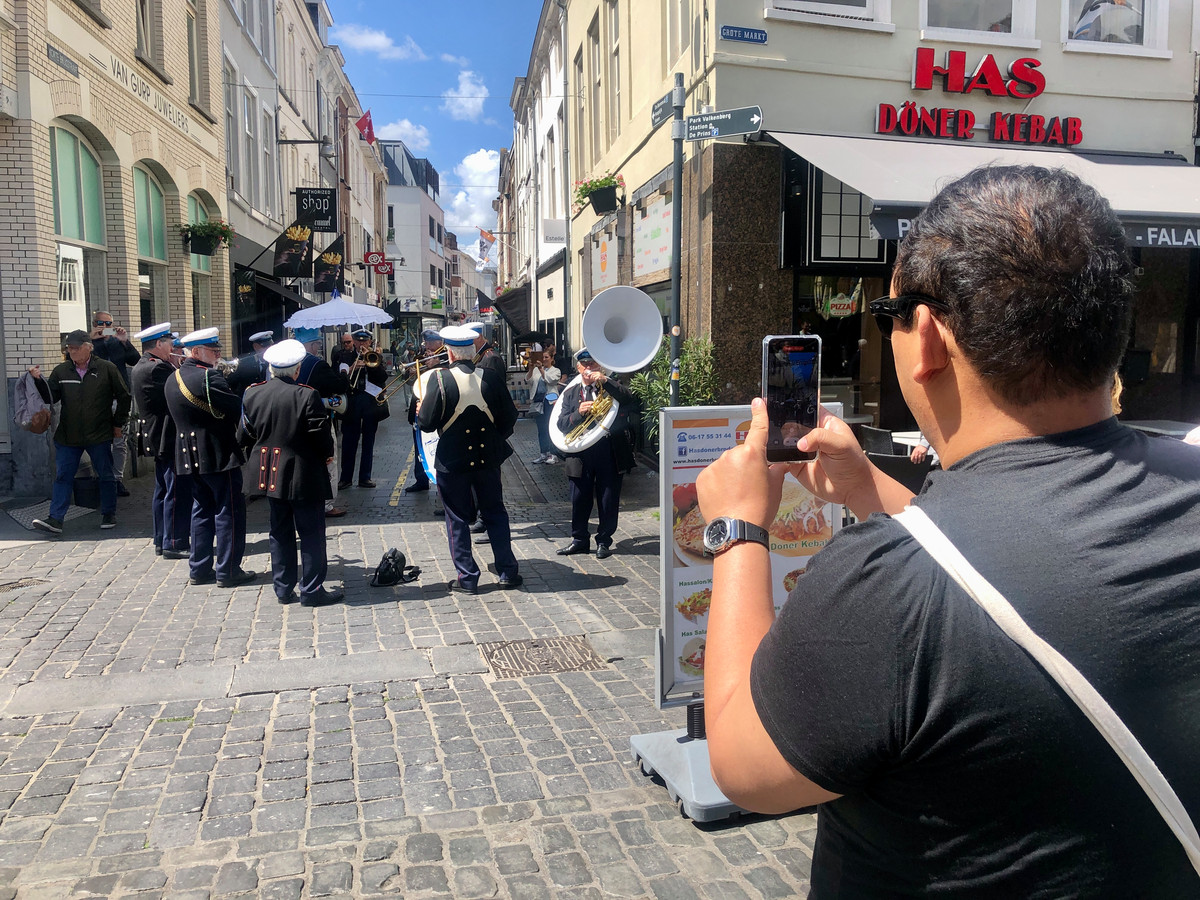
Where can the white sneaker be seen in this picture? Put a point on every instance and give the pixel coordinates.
(552, 460)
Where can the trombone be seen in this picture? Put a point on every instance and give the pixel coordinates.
(403, 378)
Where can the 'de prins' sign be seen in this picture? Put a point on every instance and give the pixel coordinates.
(1023, 81)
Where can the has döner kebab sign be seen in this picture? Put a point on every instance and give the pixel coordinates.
(690, 439)
(1022, 81)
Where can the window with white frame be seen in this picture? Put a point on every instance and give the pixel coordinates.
(78, 197)
(594, 92)
(580, 145)
(150, 215)
(679, 29)
(193, 45)
(250, 125)
(614, 71)
(232, 156)
(201, 267)
(268, 164)
(266, 22)
(859, 13)
(1115, 25)
(146, 43)
(984, 21)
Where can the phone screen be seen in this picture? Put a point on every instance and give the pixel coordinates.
(792, 388)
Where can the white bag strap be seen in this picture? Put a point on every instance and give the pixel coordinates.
(1109, 724)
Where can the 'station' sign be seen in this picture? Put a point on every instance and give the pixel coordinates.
(724, 123)
(690, 439)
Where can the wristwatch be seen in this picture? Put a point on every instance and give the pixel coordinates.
(723, 532)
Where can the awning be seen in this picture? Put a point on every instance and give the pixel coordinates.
(1157, 197)
(285, 292)
(513, 307)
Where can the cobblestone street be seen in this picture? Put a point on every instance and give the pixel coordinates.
(164, 740)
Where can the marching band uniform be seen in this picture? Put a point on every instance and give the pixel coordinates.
(172, 501)
(251, 367)
(206, 414)
(432, 346)
(595, 472)
(292, 438)
(319, 375)
(361, 421)
(474, 415)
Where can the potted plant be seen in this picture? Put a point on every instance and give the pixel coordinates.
(601, 192)
(205, 238)
(698, 382)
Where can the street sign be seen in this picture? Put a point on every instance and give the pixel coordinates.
(662, 110)
(384, 268)
(317, 208)
(373, 257)
(746, 35)
(724, 123)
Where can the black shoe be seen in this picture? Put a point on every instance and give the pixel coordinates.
(511, 581)
(108, 520)
(122, 491)
(50, 524)
(157, 550)
(603, 551)
(210, 578)
(416, 488)
(324, 598)
(176, 554)
(240, 577)
(572, 548)
(289, 597)
(366, 484)
(457, 587)
(477, 527)
(342, 485)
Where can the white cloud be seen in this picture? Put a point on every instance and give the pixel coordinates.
(472, 206)
(415, 137)
(371, 40)
(461, 61)
(465, 102)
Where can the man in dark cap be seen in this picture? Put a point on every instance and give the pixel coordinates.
(292, 439)
(251, 368)
(95, 407)
(432, 355)
(363, 413)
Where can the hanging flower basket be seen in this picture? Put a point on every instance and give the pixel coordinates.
(601, 192)
(206, 238)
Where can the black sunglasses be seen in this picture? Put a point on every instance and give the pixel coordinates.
(889, 310)
(99, 322)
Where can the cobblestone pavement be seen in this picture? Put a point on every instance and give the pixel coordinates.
(164, 740)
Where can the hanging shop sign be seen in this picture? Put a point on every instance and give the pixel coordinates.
(384, 268)
(373, 257)
(1022, 80)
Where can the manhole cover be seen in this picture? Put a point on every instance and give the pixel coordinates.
(541, 656)
(18, 585)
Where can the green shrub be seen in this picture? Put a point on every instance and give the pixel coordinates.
(698, 385)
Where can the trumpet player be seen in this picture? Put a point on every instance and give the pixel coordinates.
(361, 419)
(250, 368)
(596, 471)
(333, 388)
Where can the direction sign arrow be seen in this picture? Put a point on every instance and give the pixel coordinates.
(726, 122)
(661, 111)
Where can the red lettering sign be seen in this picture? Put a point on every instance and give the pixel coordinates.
(1024, 80)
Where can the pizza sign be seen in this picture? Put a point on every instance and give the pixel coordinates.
(373, 257)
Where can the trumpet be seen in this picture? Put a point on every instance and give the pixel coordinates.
(404, 378)
(227, 366)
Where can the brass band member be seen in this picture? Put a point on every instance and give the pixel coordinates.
(430, 355)
(362, 416)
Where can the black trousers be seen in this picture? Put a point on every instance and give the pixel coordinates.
(600, 483)
(218, 515)
(361, 421)
(305, 518)
(172, 507)
(459, 492)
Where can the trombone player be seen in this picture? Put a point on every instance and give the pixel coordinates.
(361, 419)
(595, 472)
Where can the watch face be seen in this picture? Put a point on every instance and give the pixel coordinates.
(716, 534)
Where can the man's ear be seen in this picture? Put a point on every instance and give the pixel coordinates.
(933, 345)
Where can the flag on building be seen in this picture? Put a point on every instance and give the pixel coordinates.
(290, 249)
(365, 128)
(328, 267)
(487, 249)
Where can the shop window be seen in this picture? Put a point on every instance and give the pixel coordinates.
(197, 212)
(76, 188)
(841, 223)
(1116, 26)
(979, 21)
(150, 212)
(851, 13)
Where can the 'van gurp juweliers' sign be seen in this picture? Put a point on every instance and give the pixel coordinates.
(1022, 81)
(128, 77)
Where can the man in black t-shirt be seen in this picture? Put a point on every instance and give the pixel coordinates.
(945, 761)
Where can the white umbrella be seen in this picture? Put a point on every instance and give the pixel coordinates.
(337, 311)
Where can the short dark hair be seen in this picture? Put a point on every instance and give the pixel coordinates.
(1035, 269)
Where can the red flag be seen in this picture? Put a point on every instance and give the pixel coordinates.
(365, 128)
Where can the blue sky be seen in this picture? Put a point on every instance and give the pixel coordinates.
(438, 74)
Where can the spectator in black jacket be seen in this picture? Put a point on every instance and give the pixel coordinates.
(95, 406)
(111, 342)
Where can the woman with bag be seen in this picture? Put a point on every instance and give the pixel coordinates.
(544, 377)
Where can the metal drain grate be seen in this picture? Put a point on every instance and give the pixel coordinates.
(18, 585)
(541, 656)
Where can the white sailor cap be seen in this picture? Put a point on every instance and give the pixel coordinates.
(154, 332)
(285, 354)
(477, 326)
(262, 337)
(458, 335)
(201, 337)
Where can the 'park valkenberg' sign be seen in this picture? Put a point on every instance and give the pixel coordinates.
(1023, 81)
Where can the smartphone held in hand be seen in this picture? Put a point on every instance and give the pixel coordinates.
(791, 386)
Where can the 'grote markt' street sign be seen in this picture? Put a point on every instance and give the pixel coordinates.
(724, 123)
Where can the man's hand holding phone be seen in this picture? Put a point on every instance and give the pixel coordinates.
(740, 484)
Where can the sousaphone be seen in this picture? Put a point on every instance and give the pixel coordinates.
(622, 329)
